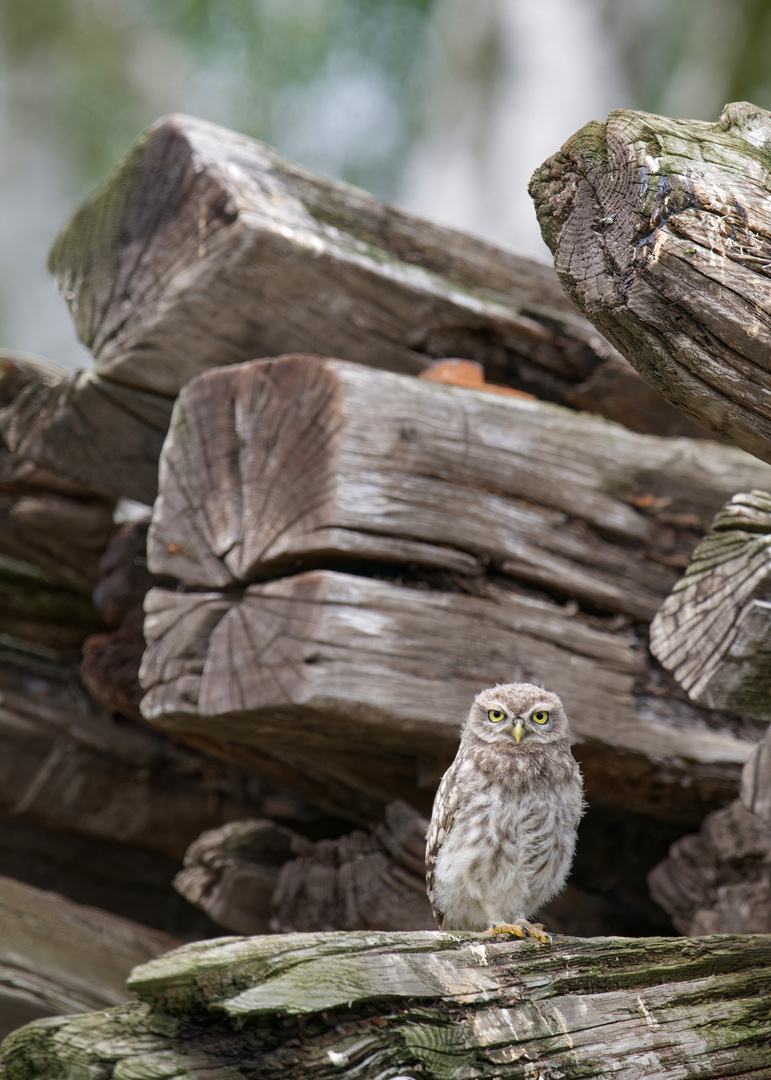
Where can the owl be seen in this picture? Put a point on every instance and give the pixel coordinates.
(503, 829)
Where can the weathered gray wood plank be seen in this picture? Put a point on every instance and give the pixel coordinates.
(661, 234)
(755, 790)
(68, 763)
(430, 1004)
(58, 957)
(91, 429)
(253, 875)
(205, 248)
(714, 630)
(372, 680)
(51, 521)
(276, 465)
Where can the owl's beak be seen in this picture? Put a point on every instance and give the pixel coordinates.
(518, 730)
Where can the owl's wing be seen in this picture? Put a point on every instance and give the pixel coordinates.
(446, 804)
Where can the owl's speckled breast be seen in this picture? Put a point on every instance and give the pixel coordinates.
(503, 829)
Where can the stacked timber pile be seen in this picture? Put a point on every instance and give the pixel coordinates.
(275, 661)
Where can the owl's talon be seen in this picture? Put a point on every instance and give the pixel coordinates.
(522, 929)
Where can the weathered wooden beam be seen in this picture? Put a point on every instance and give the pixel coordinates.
(755, 790)
(58, 957)
(251, 876)
(661, 234)
(277, 465)
(373, 679)
(94, 430)
(430, 1004)
(70, 764)
(206, 248)
(718, 881)
(283, 464)
(38, 611)
(47, 519)
(129, 881)
(713, 632)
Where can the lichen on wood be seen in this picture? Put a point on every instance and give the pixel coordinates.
(439, 1006)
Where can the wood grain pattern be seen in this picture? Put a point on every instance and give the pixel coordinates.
(661, 234)
(206, 248)
(366, 682)
(714, 631)
(434, 1005)
(92, 430)
(58, 957)
(70, 764)
(275, 465)
(353, 669)
(47, 519)
(718, 881)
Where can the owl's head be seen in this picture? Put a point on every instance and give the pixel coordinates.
(516, 715)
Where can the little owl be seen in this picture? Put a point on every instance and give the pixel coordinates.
(503, 828)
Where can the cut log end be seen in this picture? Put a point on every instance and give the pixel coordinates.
(659, 234)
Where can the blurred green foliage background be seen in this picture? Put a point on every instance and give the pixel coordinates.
(412, 99)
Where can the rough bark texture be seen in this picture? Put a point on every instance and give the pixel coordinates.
(206, 248)
(57, 957)
(274, 466)
(429, 1004)
(661, 234)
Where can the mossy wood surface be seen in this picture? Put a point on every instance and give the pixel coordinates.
(425, 1005)
(714, 631)
(661, 233)
(436, 532)
(205, 248)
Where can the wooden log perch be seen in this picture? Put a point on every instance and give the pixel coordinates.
(661, 234)
(425, 1004)
(58, 957)
(422, 533)
(206, 248)
(714, 630)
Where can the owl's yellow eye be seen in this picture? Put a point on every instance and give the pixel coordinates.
(496, 715)
(540, 717)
